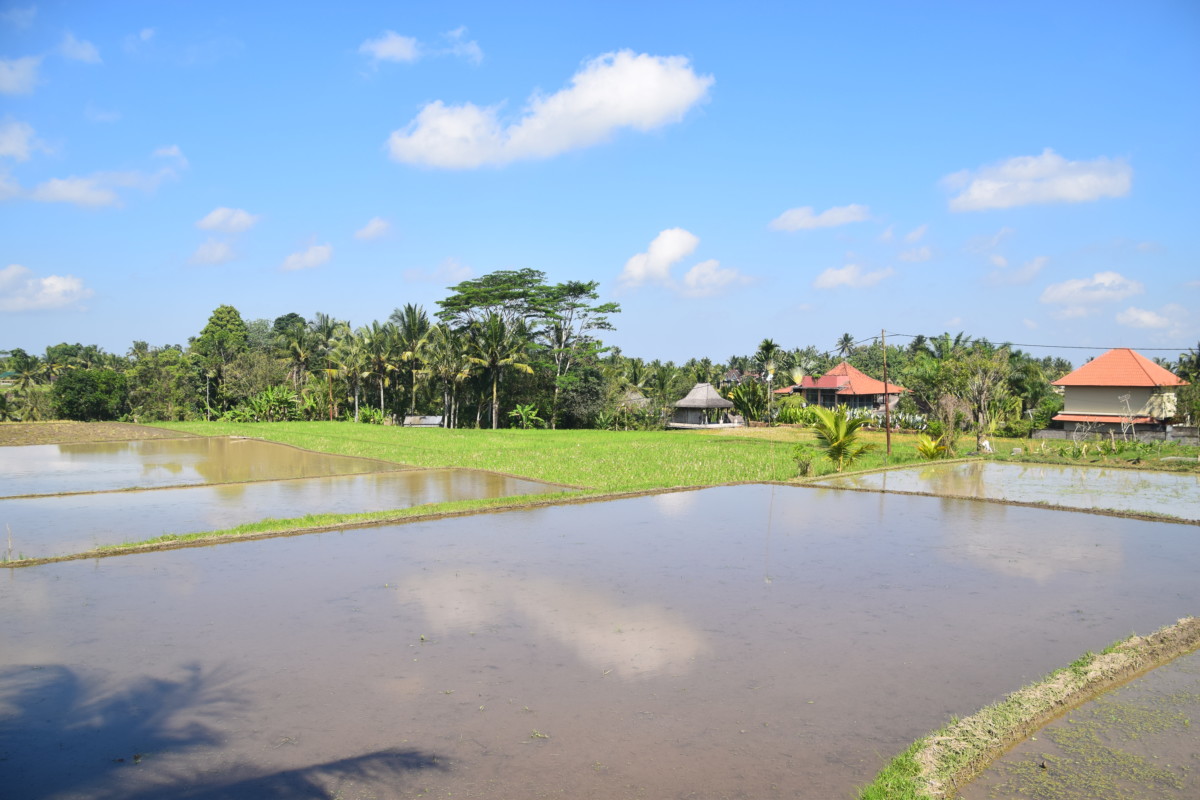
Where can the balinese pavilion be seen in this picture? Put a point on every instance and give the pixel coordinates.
(703, 408)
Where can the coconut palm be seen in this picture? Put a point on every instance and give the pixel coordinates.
(380, 343)
(496, 345)
(412, 331)
(349, 361)
(845, 345)
(837, 432)
(447, 360)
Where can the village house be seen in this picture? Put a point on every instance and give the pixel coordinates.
(703, 407)
(1117, 391)
(845, 385)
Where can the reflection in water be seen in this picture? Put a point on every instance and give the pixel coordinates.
(45, 526)
(1035, 552)
(106, 466)
(462, 637)
(1177, 494)
(633, 641)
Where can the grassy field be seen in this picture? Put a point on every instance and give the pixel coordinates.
(603, 461)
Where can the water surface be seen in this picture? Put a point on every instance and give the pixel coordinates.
(748, 641)
(105, 466)
(58, 525)
(1138, 742)
(1173, 493)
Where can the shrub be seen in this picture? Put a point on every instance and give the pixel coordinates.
(90, 395)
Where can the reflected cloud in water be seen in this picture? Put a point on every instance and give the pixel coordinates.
(633, 641)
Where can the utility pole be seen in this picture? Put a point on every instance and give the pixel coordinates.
(887, 406)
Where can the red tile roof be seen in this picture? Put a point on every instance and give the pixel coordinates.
(848, 380)
(1100, 418)
(1120, 367)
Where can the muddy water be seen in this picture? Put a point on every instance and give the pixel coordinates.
(1136, 743)
(748, 641)
(105, 466)
(48, 526)
(1077, 487)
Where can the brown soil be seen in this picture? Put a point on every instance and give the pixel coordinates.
(16, 433)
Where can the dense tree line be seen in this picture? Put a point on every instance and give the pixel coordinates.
(511, 349)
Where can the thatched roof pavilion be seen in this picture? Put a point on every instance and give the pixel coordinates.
(703, 395)
(702, 407)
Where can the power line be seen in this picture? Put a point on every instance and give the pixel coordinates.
(1055, 346)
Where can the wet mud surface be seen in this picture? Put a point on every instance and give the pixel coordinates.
(36, 527)
(25, 433)
(1075, 487)
(110, 466)
(748, 641)
(1138, 742)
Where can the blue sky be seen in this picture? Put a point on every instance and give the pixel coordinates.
(1021, 171)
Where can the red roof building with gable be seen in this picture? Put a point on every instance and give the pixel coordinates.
(1120, 388)
(845, 385)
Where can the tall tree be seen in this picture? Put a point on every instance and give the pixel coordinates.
(412, 334)
(223, 338)
(571, 315)
(845, 345)
(512, 295)
(497, 345)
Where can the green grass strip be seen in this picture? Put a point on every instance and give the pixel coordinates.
(936, 766)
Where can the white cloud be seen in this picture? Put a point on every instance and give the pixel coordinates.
(78, 49)
(1103, 287)
(1048, 178)
(888, 234)
(18, 75)
(19, 17)
(613, 91)
(654, 265)
(917, 254)
(391, 46)
(20, 290)
(1134, 317)
(459, 46)
(1017, 277)
(375, 228)
(1030, 324)
(998, 261)
(314, 256)
(89, 191)
(916, 234)
(9, 188)
(709, 278)
(851, 275)
(172, 152)
(796, 219)
(449, 273)
(146, 34)
(213, 252)
(228, 220)
(17, 140)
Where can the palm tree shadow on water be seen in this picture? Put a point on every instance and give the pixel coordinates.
(63, 734)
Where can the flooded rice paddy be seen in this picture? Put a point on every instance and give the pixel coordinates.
(1171, 493)
(1139, 742)
(37, 527)
(148, 463)
(734, 642)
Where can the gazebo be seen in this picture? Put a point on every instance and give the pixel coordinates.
(703, 408)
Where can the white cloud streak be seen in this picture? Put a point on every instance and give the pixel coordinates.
(314, 256)
(709, 278)
(654, 266)
(1029, 180)
(18, 140)
(78, 50)
(1016, 277)
(917, 254)
(391, 46)
(376, 227)
(19, 17)
(19, 75)
(213, 252)
(1079, 296)
(1134, 317)
(851, 276)
(803, 218)
(448, 273)
(611, 92)
(228, 220)
(916, 234)
(21, 290)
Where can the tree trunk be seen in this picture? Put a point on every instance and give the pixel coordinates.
(495, 402)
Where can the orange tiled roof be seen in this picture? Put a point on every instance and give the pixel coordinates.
(857, 382)
(1114, 418)
(1120, 367)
